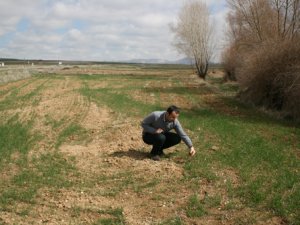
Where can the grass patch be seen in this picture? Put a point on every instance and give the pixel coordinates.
(10, 100)
(118, 101)
(254, 147)
(49, 121)
(14, 100)
(33, 93)
(116, 183)
(195, 207)
(73, 132)
(212, 201)
(200, 167)
(49, 170)
(112, 185)
(172, 221)
(116, 214)
(107, 216)
(199, 208)
(16, 194)
(142, 185)
(128, 78)
(15, 138)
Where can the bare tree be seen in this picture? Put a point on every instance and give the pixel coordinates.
(288, 17)
(193, 35)
(256, 21)
(256, 24)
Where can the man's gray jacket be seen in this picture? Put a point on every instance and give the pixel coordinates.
(157, 120)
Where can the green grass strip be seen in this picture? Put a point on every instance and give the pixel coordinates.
(14, 137)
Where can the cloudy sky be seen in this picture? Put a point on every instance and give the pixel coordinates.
(101, 30)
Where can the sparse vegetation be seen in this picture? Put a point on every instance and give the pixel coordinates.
(74, 133)
(71, 152)
(195, 207)
(15, 137)
(18, 73)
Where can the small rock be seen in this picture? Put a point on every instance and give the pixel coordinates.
(215, 148)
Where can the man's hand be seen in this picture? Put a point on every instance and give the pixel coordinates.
(192, 151)
(159, 130)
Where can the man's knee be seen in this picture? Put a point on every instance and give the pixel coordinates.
(154, 139)
(177, 139)
(160, 139)
(174, 138)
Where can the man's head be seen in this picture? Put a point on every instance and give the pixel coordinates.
(172, 113)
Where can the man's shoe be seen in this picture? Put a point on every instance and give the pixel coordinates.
(161, 154)
(155, 158)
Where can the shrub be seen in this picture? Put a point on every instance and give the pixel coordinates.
(229, 61)
(270, 77)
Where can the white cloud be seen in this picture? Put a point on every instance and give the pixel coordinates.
(91, 29)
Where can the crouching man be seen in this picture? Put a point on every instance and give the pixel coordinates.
(156, 132)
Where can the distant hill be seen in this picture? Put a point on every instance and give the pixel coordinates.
(10, 61)
(185, 61)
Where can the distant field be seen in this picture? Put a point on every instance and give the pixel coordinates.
(71, 150)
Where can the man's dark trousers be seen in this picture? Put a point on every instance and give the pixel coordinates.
(161, 141)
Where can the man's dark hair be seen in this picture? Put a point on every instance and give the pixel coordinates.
(173, 108)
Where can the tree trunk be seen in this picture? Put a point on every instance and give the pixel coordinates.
(201, 69)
